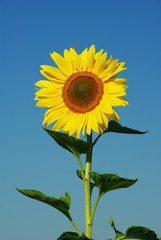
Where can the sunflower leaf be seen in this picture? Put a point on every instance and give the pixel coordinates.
(135, 232)
(108, 182)
(114, 126)
(72, 144)
(69, 235)
(138, 232)
(72, 236)
(62, 204)
(83, 237)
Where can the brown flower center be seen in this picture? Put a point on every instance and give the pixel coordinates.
(82, 92)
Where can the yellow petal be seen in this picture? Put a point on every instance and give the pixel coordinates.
(81, 125)
(49, 92)
(51, 77)
(97, 112)
(62, 121)
(77, 127)
(109, 61)
(116, 101)
(102, 127)
(112, 87)
(124, 100)
(75, 60)
(62, 64)
(99, 64)
(120, 80)
(105, 120)
(55, 72)
(106, 104)
(55, 115)
(114, 116)
(49, 102)
(105, 79)
(73, 124)
(88, 123)
(58, 126)
(97, 55)
(84, 62)
(110, 68)
(94, 126)
(90, 57)
(45, 84)
(67, 56)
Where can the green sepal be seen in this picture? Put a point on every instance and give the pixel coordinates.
(72, 236)
(135, 232)
(62, 204)
(72, 144)
(108, 182)
(80, 176)
(114, 126)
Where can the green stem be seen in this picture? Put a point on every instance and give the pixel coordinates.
(76, 229)
(94, 208)
(87, 188)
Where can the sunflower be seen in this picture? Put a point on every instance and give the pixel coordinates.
(80, 94)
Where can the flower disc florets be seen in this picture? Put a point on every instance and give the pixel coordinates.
(82, 92)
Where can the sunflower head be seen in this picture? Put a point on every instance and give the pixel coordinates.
(81, 92)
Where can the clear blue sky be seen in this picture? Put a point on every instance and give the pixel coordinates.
(30, 30)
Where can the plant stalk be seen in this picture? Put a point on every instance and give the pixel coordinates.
(87, 189)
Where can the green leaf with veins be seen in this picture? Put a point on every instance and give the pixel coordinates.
(62, 204)
(134, 232)
(114, 126)
(72, 236)
(139, 232)
(108, 182)
(72, 144)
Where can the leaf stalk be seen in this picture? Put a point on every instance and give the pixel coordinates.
(75, 227)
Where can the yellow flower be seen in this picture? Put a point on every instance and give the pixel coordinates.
(80, 94)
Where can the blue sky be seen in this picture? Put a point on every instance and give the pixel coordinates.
(30, 30)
